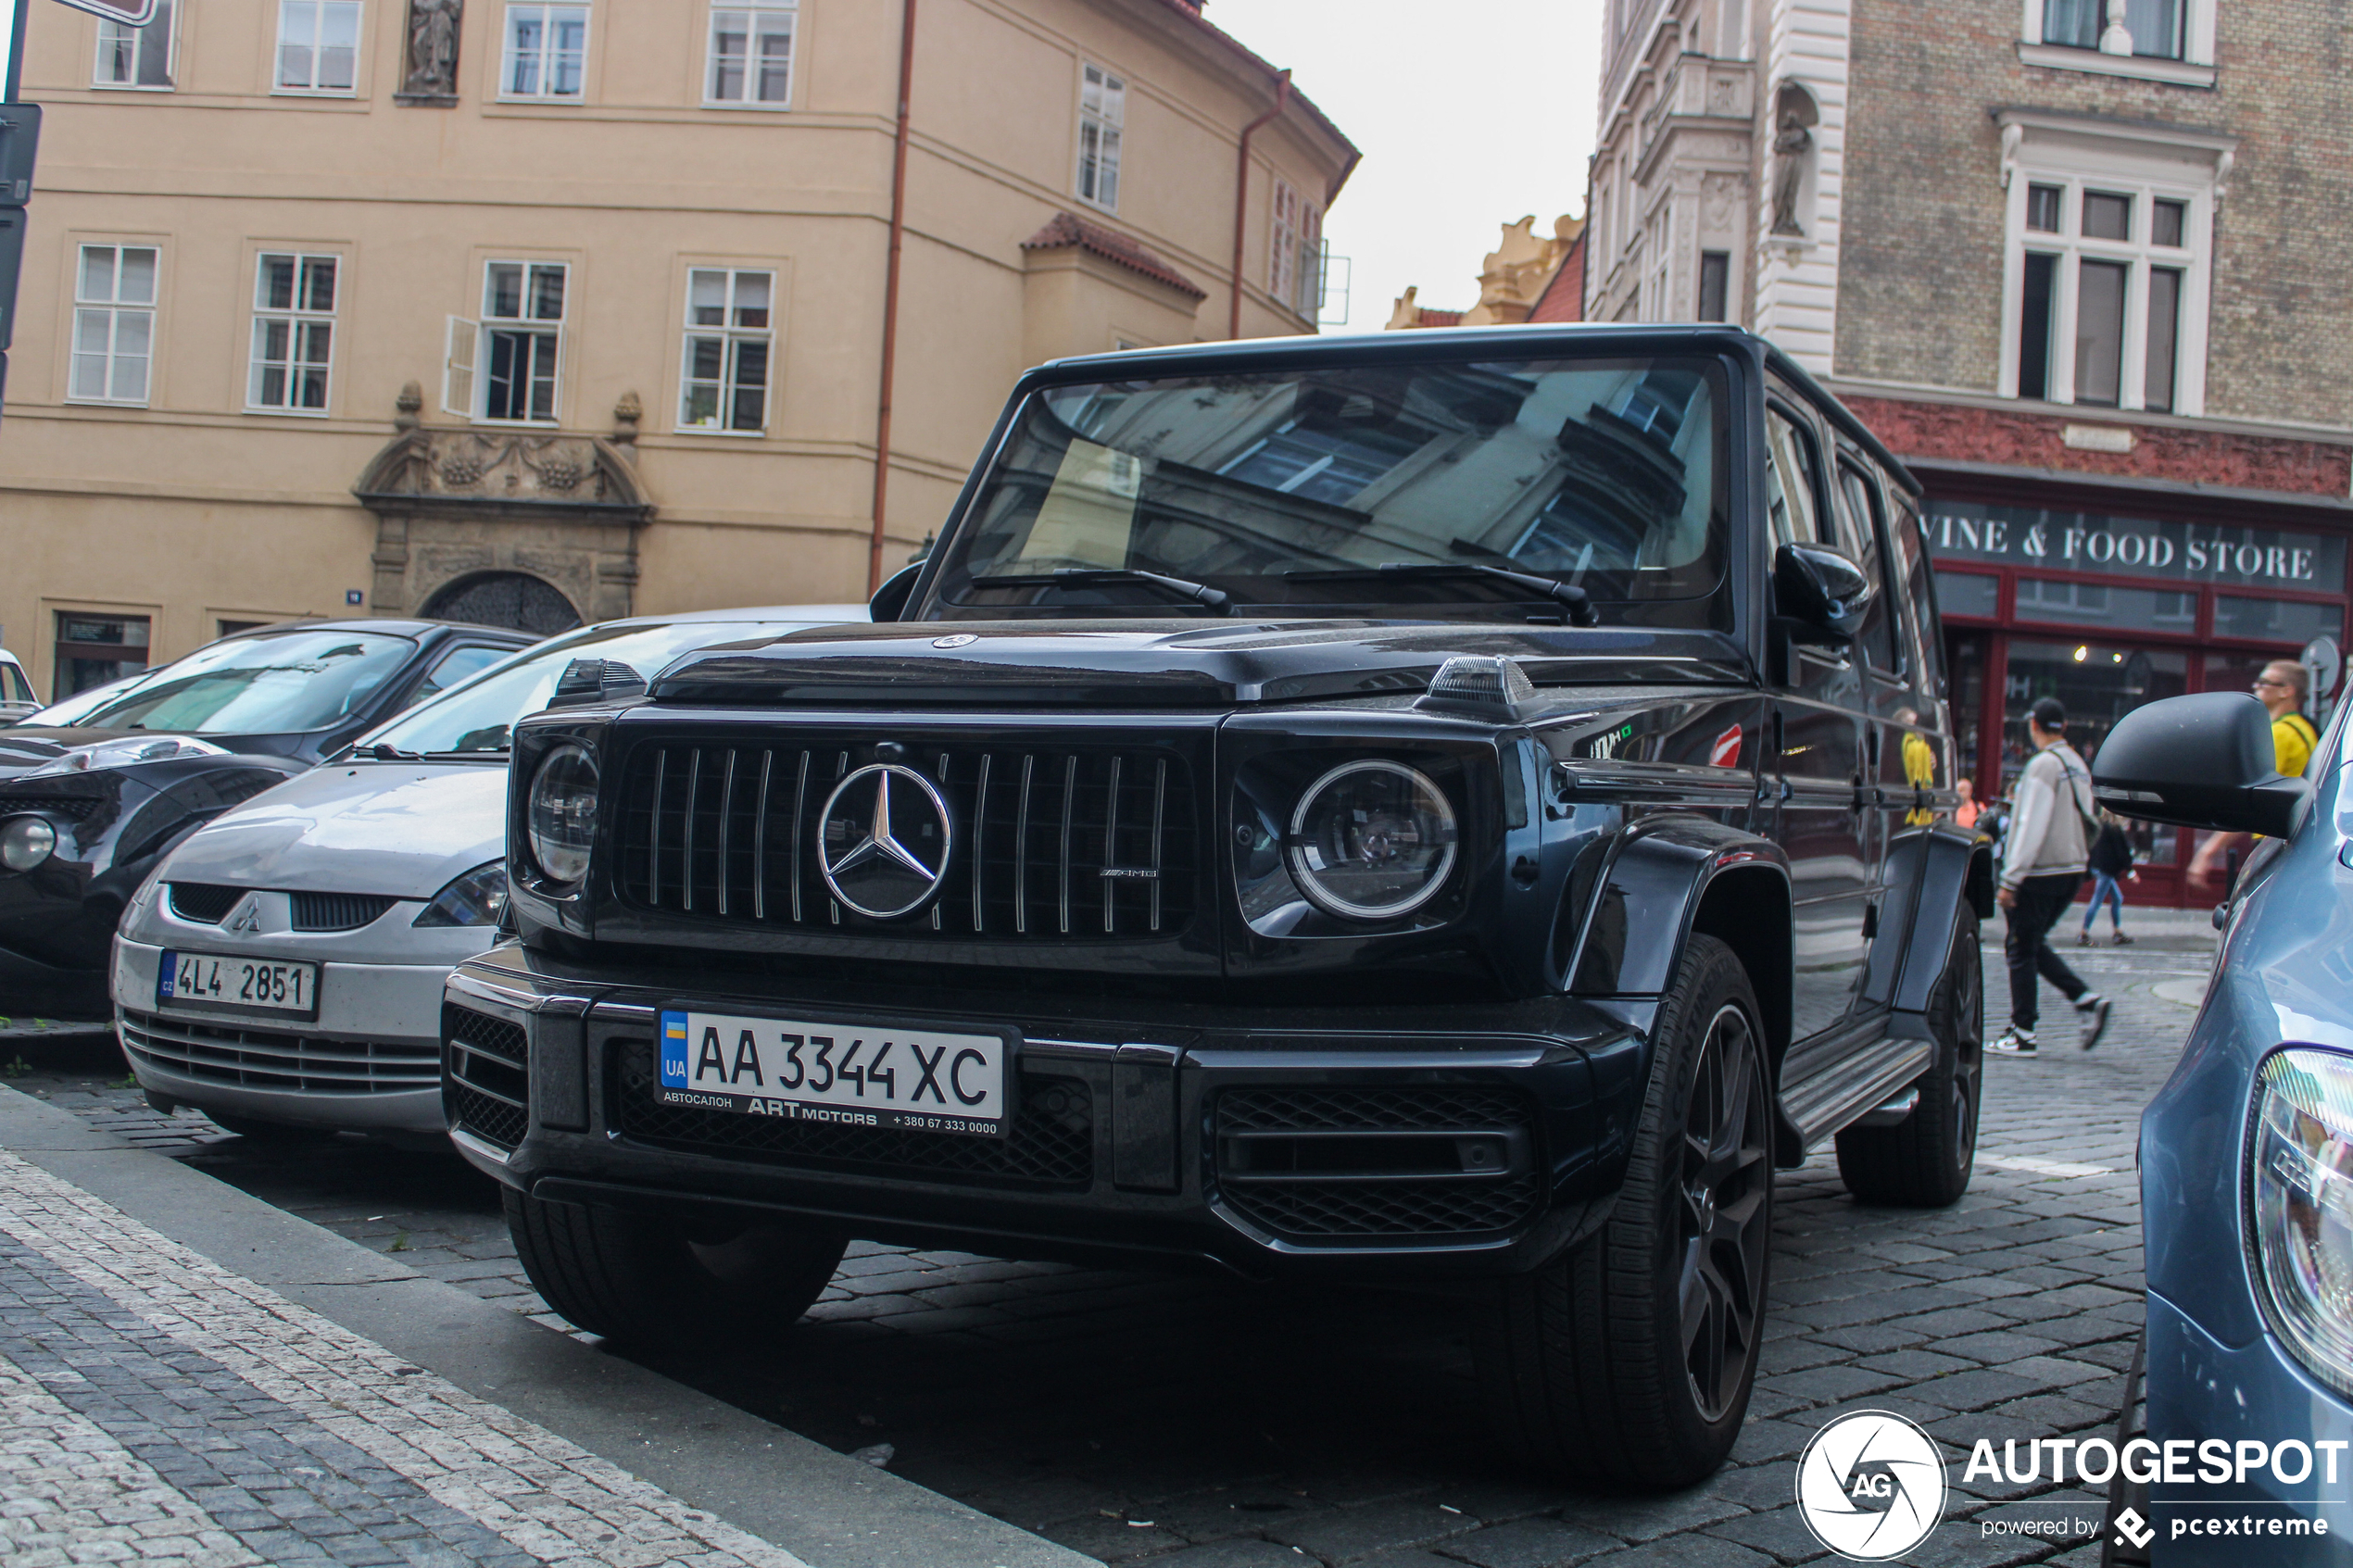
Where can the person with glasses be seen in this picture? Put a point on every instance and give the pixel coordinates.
(2281, 689)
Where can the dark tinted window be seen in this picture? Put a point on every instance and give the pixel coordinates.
(1925, 640)
(1860, 497)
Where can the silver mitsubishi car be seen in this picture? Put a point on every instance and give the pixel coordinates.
(282, 969)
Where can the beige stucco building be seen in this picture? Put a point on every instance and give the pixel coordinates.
(534, 311)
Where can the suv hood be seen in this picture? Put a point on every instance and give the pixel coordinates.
(1174, 663)
(403, 829)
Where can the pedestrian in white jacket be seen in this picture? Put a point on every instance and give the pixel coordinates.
(2042, 867)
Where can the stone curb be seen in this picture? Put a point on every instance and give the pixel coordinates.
(829, 1510)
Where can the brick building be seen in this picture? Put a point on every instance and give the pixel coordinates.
(2077, 261)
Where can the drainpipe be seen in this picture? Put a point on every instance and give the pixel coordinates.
(891, 296)
(1242, 196)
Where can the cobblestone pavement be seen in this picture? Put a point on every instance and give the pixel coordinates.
(156, 1407)
(1196, 1424)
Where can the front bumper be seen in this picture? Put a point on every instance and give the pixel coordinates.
(1268, 1141)
(2200, 1390)
(370, 1061)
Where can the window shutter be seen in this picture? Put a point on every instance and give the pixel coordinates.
(458, 355)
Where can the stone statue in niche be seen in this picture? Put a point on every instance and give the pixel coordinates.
(433, 50)
(1790, 145)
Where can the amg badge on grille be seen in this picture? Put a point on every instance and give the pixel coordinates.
(883, 840)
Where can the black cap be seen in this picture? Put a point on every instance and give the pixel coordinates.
(2049, 713)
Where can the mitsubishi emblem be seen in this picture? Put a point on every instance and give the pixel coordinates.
(885, 857)
(248, 916)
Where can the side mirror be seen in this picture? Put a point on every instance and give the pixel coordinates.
(890, 602)
(2200, 761)
(1818, 585)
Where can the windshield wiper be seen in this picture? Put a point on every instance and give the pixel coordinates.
(471, 751)
(1080, 576)
(1579, 605)
(382, 752)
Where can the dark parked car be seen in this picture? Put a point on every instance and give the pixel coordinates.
(87, 810)
(2246, 1160)
(1457, 810)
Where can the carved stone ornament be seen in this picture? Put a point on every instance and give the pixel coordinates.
(427, 464)
(432, 55)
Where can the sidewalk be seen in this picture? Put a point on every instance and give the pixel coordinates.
(157, 1406)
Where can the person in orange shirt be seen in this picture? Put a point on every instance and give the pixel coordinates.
(1968, 811)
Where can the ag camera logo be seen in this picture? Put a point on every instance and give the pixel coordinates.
(1870, 1485)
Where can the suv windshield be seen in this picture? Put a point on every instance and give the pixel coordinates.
(479, 716)
(1372, 488)
(286, 683)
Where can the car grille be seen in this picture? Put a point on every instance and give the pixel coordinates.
(276, 1059)
(1050, 1145)
(73, 807)
(729, 834)
(1274, 1147)
(208, 903)
(485, 1083)
(338, 911)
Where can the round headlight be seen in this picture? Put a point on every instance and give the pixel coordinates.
(561, 813)
(25, 842)
(1372, 840)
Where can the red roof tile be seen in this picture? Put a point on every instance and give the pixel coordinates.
(1068, 231)
(1564, 297)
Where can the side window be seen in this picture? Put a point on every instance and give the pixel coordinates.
(1793, 482)
(458, 664)
(1920, 584)
(1864, 519)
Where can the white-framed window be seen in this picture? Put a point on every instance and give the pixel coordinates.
(1102, 109)
(547, 52)
(503, 368)
(2160, 39)
(1295, 252)
(724, 384)
(751, 51)
(293, 327)
(2110, 254)
(318, 46)
(138, 56)
(114, 324)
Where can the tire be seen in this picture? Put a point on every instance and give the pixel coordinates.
(1925, 1161)
(1592, 1368)
(645, 1279)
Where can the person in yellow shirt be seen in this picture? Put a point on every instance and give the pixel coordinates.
(2281, 689)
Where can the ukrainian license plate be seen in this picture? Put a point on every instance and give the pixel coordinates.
(213, 983)
(925, 1079)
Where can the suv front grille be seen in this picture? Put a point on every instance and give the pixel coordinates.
(485, 1086)
(1051, 1143)
(278, 1058)
(1336, 1165)
(1051, 844)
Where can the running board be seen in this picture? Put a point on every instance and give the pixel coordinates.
(1846, 1091)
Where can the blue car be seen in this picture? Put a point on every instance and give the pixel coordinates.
(2245, 1429)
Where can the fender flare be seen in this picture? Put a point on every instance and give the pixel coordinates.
(1956, 872)
(1649, 900)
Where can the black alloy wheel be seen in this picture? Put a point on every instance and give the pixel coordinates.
(1629, 1360)
(1926, 1161)
(1728, 1177)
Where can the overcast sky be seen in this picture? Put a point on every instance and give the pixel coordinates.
(1470, 116)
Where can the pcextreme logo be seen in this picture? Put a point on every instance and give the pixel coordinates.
(1870, 1485)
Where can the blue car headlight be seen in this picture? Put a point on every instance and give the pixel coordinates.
(2302, 1192)
(479, 898)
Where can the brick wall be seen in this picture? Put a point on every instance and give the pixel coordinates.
(1921, 277)
(2017, 438)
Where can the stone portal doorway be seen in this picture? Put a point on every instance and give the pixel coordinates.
(505, 599)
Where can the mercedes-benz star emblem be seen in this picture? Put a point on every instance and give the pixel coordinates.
(883, 840)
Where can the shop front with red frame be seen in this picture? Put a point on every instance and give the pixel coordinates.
(2107, 596)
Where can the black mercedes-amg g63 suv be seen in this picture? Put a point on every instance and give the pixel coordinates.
(1457, 808)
